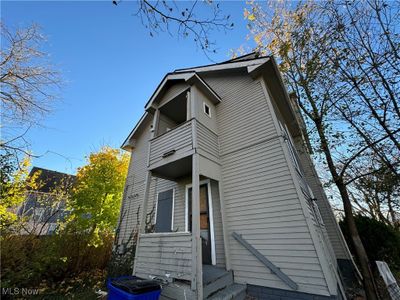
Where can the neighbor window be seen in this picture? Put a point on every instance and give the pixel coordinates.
(207, 110)
(164, 211)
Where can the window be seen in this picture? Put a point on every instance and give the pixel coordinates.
(164, 211)
(207, 109)
(292, 149)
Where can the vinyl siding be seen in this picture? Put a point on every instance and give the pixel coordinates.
(173, 91)
(178, 139)
(159, 185)
(332, 229)
(207, 141)
(134, 186)
(209, 122)
(162, 254)
(260, 197)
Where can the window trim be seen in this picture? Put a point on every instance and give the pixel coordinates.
(292, 149)
(209, 109)
(173, 207)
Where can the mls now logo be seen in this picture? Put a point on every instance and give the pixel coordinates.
(19, 291)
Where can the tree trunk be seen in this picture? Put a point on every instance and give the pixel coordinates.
(368, 280)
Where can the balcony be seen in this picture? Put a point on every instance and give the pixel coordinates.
(170, 152)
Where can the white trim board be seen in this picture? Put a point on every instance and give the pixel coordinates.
(210, 215)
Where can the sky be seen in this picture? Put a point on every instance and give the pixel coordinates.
(110, 66)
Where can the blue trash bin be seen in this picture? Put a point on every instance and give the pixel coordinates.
(133, 288)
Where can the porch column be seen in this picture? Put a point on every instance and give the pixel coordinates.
(197, 282)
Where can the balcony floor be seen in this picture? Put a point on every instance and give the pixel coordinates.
(176, 169)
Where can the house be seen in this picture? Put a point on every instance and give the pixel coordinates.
(43, 207)
(223, 193)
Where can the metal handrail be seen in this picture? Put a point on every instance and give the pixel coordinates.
(274, 269)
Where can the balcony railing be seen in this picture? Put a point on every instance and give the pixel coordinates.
(178, 143)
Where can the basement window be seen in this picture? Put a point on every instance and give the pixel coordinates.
(207, 109)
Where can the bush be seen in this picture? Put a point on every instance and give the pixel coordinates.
(28, 260)
(381, 241)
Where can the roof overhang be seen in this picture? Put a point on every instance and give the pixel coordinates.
(226, 65)
(189, 77)
(129, 143)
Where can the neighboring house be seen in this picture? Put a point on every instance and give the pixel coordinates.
(43, 207)
(221, 158)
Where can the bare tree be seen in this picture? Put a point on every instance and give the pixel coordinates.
(28, 85)
(341, 60)
(377, 195)
(195, 19)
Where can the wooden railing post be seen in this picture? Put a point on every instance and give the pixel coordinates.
(197, 283)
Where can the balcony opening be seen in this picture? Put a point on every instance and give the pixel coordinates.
(172, 114)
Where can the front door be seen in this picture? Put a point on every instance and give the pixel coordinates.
(204, 222)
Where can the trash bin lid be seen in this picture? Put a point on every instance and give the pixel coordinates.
(136, 285)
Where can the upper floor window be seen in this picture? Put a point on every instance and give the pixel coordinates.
(207, 109)
(292, 148)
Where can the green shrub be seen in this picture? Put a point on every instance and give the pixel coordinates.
(28, 260)
(381, 241)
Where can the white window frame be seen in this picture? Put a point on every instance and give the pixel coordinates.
(292, 149)
(173, 207)
(209, 109)
(210, 215)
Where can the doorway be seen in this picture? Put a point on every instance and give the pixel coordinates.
(206, 221)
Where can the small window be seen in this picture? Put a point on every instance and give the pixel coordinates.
(207, 110)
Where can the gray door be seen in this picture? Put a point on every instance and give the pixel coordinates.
(164, 212)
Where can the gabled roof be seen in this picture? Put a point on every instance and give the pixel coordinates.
(191, 78)
(255, 66)
(126, 145)
(239, 62)
(48, 179)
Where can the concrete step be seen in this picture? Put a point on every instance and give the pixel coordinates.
(232, 292)
(215, 279)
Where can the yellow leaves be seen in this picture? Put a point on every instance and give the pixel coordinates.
(13, 193)
(97, 195)
(258, 38)
(249, 15)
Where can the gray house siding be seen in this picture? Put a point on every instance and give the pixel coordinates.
(173, 91)
(164, 254)
(333, 231)
(131, 204)
(267, 198)
(209, 122)
(134, 186)
(259, 193)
